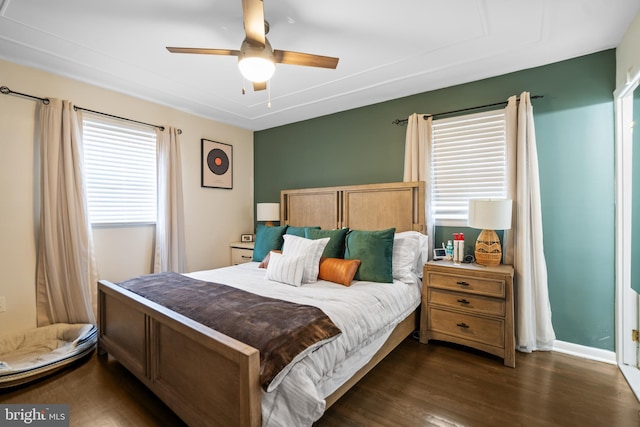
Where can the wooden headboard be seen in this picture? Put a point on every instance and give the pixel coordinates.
(361, 207)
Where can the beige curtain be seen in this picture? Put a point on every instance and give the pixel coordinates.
(66, 271)
(523, 246)
(169, 250)
(417, 163)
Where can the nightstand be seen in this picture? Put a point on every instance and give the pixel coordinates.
(241, 252)
(469, 304)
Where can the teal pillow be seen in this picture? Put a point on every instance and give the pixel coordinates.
(374, 249)
(267, 239)
(335, 247)
(299, 231)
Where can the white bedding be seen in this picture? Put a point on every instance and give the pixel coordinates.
(366, 312)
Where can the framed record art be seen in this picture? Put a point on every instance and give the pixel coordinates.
(217, 164)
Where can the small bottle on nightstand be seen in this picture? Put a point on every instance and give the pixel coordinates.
(449, 250)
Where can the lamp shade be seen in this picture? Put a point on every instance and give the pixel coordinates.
(490, 214)
(268, 212)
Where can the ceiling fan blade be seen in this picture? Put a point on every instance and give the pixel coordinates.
(307, 59)
(259, 86)
(203, 51)
(253, 12)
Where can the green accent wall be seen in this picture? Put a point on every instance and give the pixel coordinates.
(575, 138)
(470, 236)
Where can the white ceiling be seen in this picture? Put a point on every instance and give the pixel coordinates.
(387, 49)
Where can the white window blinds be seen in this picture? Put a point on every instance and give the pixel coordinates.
(120, 170)
(468, 162)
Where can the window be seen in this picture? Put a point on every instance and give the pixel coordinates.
(469, 161)
(120, 170)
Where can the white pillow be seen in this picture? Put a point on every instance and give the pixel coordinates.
(284, 269)
(311, 250)
(403, 263)
(410, 252)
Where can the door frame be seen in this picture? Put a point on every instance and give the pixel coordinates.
(626, 298)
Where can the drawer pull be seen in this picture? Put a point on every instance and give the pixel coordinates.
(463, 283)
(463, 301)
(463, 325)
(245, 257)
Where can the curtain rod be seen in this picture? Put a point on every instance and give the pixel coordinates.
(401, 122)
(6, 91)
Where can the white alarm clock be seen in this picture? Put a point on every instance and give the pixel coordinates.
(439, 253)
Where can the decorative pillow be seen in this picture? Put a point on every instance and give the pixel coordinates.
(423, 249)
(285, 269)
(300, 231)
(406, 255)
(338, 270)
(265, 260)
(374, 249)
(335, 247)
(310, 250)
(267, 239)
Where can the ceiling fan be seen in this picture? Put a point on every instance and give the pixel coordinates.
(256, 57)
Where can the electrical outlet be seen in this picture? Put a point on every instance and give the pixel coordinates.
(3, 305)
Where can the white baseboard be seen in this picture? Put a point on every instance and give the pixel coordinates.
(585, 352)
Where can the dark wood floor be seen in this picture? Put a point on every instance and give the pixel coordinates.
(416, 385)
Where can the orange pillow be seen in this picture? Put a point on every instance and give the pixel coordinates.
(265, 261)
(338, 270)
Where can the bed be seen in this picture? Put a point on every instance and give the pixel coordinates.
(209, 378)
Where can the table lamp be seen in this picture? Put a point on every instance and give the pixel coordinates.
(489, 215)
(268, 212)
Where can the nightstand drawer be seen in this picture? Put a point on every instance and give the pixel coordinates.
(470, 284)
(467, 302)
(468, 327)
(239, 255)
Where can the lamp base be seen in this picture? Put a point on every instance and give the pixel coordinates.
(488, 249)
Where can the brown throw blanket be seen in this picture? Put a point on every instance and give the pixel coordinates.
(280, 330)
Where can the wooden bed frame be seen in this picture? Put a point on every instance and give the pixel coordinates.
(208, 378)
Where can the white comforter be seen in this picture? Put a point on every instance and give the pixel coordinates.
(366, 312)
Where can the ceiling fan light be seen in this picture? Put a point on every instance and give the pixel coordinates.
(256, 69)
